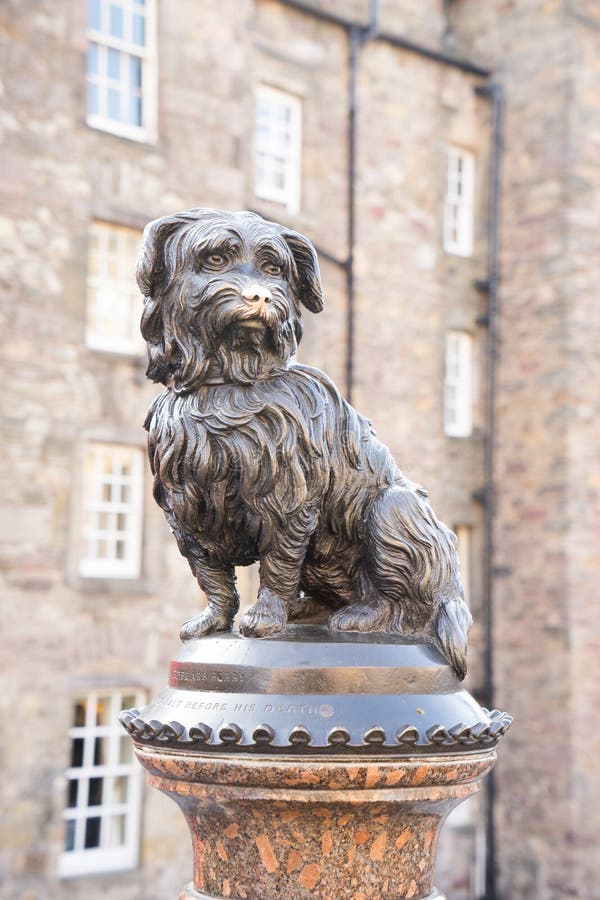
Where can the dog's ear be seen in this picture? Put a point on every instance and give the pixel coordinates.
(152, 272)
(308, 276)
(152, 265)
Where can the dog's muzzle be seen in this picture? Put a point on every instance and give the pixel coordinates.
(259, 301)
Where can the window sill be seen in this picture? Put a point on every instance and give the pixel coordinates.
(77, 864)
(461, 254)
(120, 130)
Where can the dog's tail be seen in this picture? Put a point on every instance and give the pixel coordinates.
(413, 562)
(451, 630)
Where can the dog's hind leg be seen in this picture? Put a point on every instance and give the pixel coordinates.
(372, 612)
(217, 582)
(413, 562)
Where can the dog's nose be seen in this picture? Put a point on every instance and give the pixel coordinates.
(257, 293)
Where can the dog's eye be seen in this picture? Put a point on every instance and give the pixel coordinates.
(273, 268)
(216, 259)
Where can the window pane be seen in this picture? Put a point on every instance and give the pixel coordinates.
(139, 30)
(116, 21)
(135, 112)
(77, 753)
(114, 64)
(114, 104)
(94, 14)
(72, 792)
(92, 833)
(69, 834)
(103, 711)
(116, 831)
(120, 789)
(100, 751)
(95, 791)
(79, 713)
(135, 71)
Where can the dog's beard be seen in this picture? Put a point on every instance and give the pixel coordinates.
(224, 339)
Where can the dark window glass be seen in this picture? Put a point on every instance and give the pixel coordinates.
(77, 753)
(72, 792)
(95, 791)
(92, 832)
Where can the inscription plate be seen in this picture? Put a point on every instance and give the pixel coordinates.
(326, 680)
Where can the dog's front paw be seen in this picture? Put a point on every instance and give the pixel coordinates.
(268, 616)
(209, 621)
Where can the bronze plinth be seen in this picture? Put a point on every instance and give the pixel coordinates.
(325, 772)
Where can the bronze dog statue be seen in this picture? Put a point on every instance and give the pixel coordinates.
(256, 458)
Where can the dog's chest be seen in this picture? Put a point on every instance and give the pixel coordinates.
(237, 464)
(231, 476)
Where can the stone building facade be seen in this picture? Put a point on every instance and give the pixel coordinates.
(380, 105)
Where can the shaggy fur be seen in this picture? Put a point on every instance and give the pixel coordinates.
(258, 459)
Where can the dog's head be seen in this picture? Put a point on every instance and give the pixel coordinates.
(223, 296)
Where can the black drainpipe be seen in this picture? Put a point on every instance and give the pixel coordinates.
(358, 36)
(494, 92)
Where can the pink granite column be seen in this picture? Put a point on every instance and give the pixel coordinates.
(265, 828)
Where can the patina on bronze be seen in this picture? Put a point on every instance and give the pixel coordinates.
(257, 459)
(310, 760)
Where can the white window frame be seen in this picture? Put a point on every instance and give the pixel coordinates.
(463, 548)
(458, 384)
(147, 54)
(112, 293)
(104, 858)
(459, 201)
(264, 188)
(96, 505)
